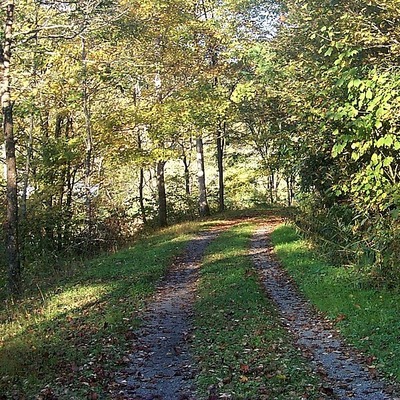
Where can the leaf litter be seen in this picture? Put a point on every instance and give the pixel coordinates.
(161, 366)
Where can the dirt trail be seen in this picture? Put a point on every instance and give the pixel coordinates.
(346, 375)
(161, 367)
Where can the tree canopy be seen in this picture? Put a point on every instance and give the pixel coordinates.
(119, 114)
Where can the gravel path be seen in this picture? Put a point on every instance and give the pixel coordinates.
(348, 378)
(161, 367)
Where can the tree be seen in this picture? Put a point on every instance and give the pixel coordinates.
(204, 208)
(107, 94)
(12, 237)
(341, 61)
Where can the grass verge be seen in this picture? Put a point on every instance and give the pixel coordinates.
(367, 318)
(242, 350)
(65, 342)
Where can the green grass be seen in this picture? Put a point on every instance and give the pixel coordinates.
(75, 332)
(368, 318)
(242, 349)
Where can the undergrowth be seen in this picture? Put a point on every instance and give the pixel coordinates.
(346, 236)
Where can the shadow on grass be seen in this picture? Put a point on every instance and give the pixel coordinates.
(73, 331)
(77, 334)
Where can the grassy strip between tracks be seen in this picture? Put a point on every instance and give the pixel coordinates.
(367, 317)
(243, 351)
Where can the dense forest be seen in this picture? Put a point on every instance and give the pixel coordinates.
(122, 114)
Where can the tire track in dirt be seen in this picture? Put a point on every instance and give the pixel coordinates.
(161, 366)
(347, 377)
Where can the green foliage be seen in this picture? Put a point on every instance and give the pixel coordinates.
(140, 77)
(316, 105)
(339, 74)
(369, 244)
(367, 137)
(330, 228)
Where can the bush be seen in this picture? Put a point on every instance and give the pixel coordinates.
(330, 228)
(371, 242)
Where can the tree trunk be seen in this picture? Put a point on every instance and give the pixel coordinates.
(29, 150)
(277, 182)
(289, 199)
(12, 239)
(220, 159)
(141, 196)
(69, 185)
(25, 184)
(44, 123)
(162, 197)
(48, 227)
(220, 139)
(59, 222)
(187, 174)
(89, 143)
(290, 182)
(271, 185)
(141, 183)
(204, 208)
(59, 122)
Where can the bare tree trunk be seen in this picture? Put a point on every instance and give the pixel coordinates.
(187, 174)
(60, 223)
(89, 142)
(59, 122)
(44, 123)
(48, 228)
(23, 213)
(271, 185)
(289, 198)
(25, 183)
(71, 174)
(57, 226)
(290, 189)
(141, 183)
(220, 160)
(204, 208)
(29, 150)
(141, 196)
(162, 197)
(12, 238)
(65, 195)
(277, 182)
